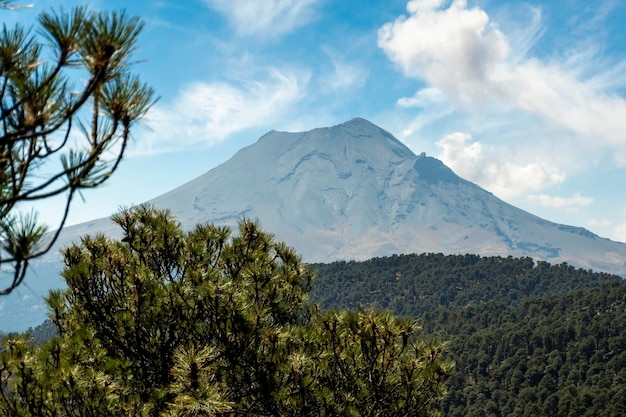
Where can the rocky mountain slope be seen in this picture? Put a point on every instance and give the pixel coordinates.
(353, 191)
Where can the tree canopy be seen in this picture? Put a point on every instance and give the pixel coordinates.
(68, 101)
(206, 322)
(527, 338)
(412, 285)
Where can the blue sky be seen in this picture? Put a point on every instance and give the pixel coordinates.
(525, 98)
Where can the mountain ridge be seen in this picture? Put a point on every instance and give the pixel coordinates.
(349, 192)
(360, 192)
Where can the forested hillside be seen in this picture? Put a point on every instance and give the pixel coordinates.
(528, 339)
(414, 284)
(558, 356)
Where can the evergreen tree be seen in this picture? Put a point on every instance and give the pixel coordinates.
(198, 323)
(57, 136)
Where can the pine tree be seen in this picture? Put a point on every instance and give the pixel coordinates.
(59, 136)
(206, 322)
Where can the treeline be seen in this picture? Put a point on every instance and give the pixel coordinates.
(412, 285)
(527, 338)
(39, 334)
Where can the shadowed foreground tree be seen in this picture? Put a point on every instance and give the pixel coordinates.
(201, 323)
(58, 136)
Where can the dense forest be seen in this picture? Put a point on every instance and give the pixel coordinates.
(558, 356)
(527, 338)
(414, 284)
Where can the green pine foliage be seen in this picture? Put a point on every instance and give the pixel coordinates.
(527, 339)
(165, 322)
(68, 104)
(207, 322)
(560, 356)
(411, 285)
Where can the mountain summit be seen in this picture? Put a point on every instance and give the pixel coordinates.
(353, 191)
(350, 191)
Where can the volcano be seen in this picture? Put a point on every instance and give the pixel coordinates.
(353, 191)
(350, 192)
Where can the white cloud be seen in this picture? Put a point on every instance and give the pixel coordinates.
(206, 113)
(619, 233)
(422, 98)
(455, 50)
(343, 76)
(265, 18)
(460, 52)
(505, 179)
(598, 222)
(560, 202)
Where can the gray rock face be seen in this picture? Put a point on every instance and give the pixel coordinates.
(353, 191)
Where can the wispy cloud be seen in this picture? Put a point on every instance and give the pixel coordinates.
(503, 178)
(343, 76)
(485, 74)
(423, 98)
(265, 18)
(462, 53)
(619, 233)
(560, 202)
(205, 113)
(598, 222)
(619, 230)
